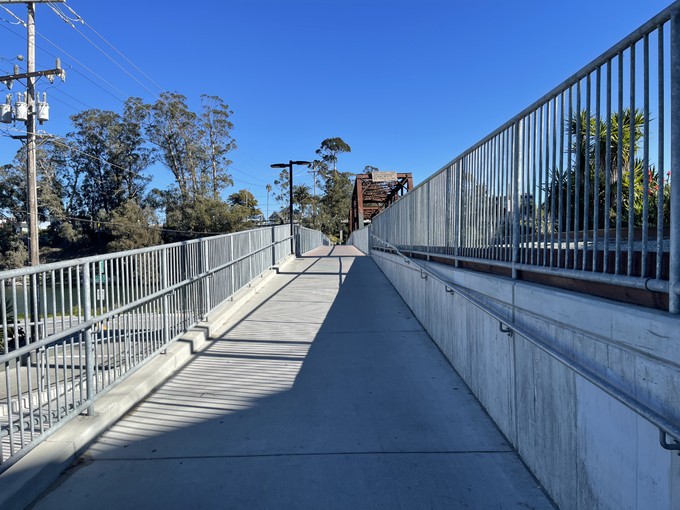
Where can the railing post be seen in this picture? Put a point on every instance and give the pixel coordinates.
(674, 266)
(296, 251)
(232, 267)
(250, 256)
(411, 222)
(165, 301)
(447, 212)
(369, 239)
(206, 280)
(273, 246)
(459, 214)
(428, 204)
(516, 162)
(87, 334)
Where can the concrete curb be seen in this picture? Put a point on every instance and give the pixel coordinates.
(34, 473)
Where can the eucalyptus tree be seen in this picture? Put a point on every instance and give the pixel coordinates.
(101, 165)
(107, 156)
(215, 131)
(329, 150)
(337, 187)
(194, 148)
(173, 130)
(336, 202)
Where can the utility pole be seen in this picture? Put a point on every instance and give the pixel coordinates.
(30, 76)
(31, 172)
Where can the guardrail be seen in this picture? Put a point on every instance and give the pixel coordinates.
(307, 239)
(359, 239)
(577, 185)
(72, 330)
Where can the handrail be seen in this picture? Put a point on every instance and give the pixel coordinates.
(665, 426)
(55, 337)
(57, 370)
(650, 284)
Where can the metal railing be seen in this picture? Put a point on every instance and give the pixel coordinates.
(308, 239)
(359, 239)
(577, 185)
(72, 330)
(665, 424)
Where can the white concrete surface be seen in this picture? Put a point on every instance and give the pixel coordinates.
(588, 450)
(324, 391)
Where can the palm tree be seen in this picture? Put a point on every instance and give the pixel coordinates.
(592, 145)
(302, 197)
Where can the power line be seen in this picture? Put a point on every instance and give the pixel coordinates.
(127, 59)
(64, 17)
(116, 63)
(57, 89)
(126, 225)
(155, 227)
(58, 140)
(19, 21)
(74, 59)
(83, 65)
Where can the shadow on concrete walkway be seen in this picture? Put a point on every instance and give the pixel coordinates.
(324, 392)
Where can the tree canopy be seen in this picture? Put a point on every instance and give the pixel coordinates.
(329, 150)
(93, 183)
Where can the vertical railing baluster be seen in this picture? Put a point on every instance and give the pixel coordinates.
(516, 159)
(631, 165)
(674, 267)
(87, 333)
(208, 277)
(661, 147)
(165, 300)
(596, 181)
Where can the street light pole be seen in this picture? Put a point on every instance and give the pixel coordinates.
(289, 165)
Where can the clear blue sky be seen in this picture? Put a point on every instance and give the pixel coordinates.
(407, 84)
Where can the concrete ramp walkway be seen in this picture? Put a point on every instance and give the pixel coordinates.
(322, 392)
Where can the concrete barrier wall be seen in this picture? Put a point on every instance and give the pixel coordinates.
(587, 449)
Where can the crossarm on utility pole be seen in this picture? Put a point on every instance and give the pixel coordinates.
(49, 73)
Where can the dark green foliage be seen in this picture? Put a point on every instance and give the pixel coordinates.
(329, 150)
(133, 226)
(596, 158)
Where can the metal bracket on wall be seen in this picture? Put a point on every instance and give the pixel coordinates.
(423, 274)
(448, 289)
(674, 446)
(505, 329)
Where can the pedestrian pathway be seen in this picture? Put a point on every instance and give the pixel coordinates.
(323, 392)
